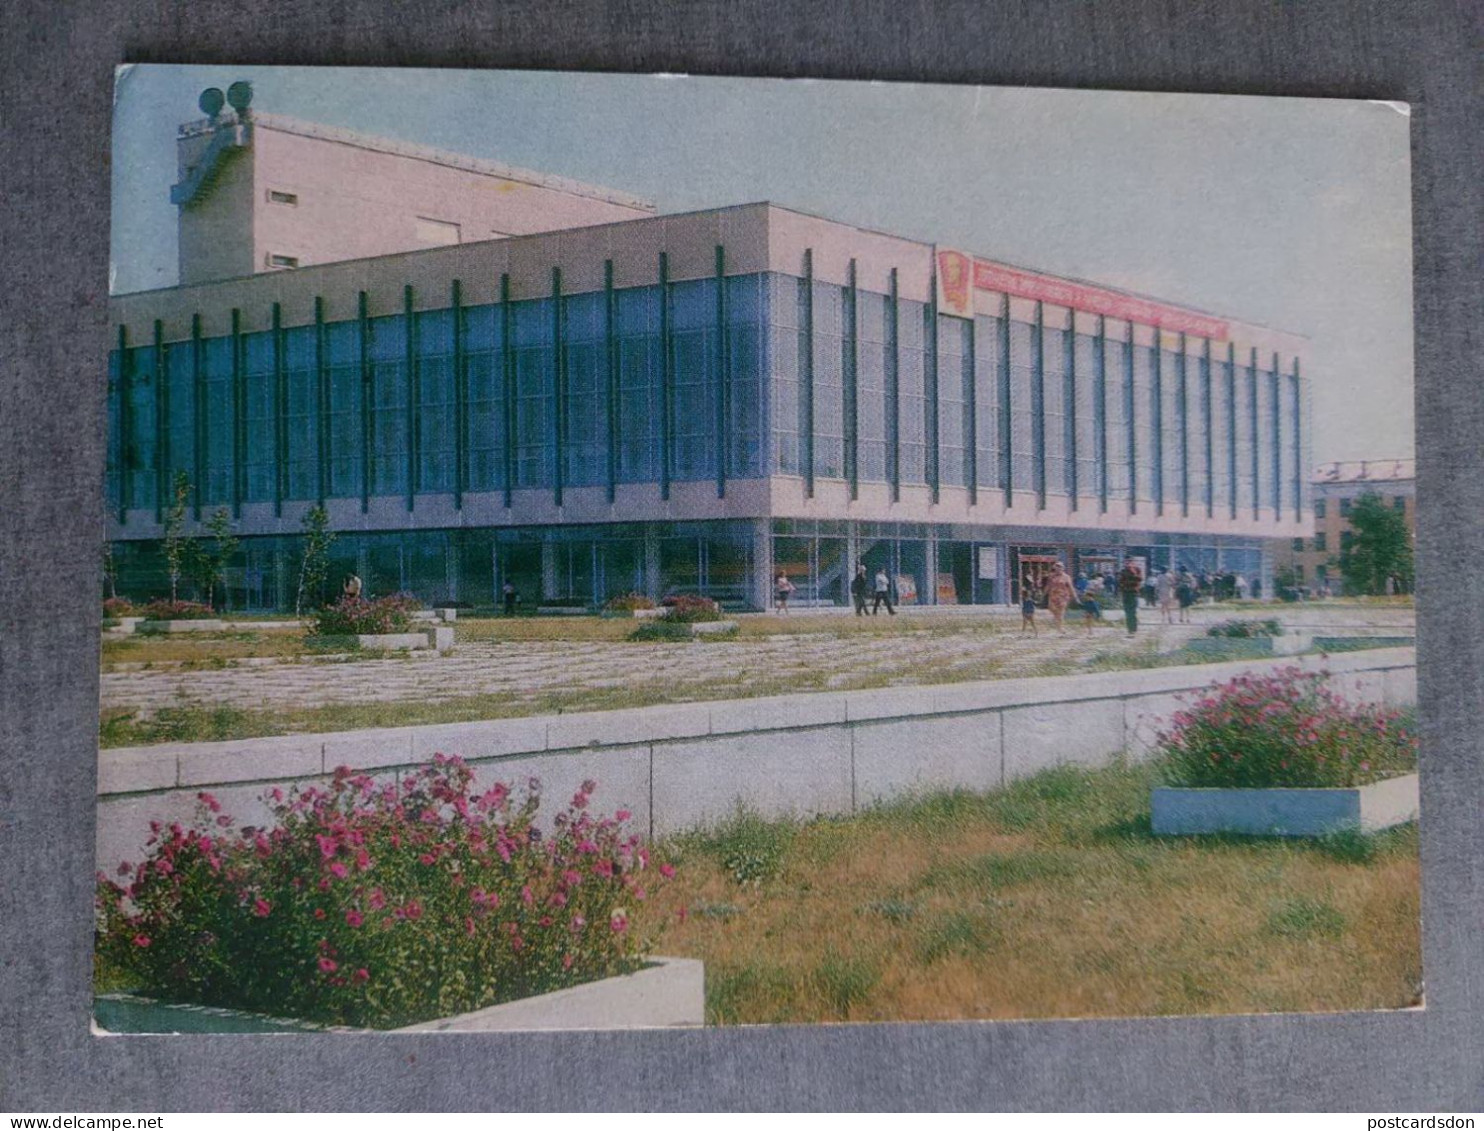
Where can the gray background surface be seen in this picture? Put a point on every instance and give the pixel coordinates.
(56, 66)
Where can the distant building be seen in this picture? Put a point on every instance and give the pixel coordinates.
(1315, 559)
(584, 398)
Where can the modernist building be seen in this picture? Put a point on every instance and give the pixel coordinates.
(665, 403)
(1315, 560)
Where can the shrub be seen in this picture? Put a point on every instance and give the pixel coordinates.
(115, 607)
(660, 629)
(628, 603)
(356, 616)
(1286, 729)
(379, 903)
(164, 609)
(1247, 629)
(686, 609)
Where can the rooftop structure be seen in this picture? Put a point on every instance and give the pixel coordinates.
(262, 192)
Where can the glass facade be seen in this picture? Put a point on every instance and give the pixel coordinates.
(281, 414)
(700, 380)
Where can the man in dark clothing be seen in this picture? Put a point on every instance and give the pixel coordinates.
(1130, 581)
(510, 595)
(858, 587)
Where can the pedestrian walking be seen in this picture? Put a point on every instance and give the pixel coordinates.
(1059, 594)
(781, 590)
(1028, 599)
(882, 594)
(1130, 582)
(507, 591)
(1186, 593)
(1165, 587)
(858, 587)
(1091, 605)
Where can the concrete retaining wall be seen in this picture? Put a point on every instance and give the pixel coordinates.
(679, 766)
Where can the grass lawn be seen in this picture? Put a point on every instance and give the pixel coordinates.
(204, 649)
(1050, 898)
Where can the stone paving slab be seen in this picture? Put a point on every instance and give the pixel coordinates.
(525, 672)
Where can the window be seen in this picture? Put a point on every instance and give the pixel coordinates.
(483, 353)
(747, 347)
(1345, 506)
(435, 233)
(1347, 538)
(436, 396)
(301, 412)
(1319, 508)
(276, 196)
(1298, 545)
(1321, 542)
(1399, 502)
(696, 379)
(282, 262)
(637, 312)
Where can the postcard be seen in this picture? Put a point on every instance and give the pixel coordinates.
(616, 551)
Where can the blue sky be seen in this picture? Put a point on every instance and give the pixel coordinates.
(1286, 212)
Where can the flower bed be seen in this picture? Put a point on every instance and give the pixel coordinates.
(684, 609)
(1247, 629)
(116, 608)
(627, 605)
(356, 616)
(178, 610)
(1284, 755)
(379, 904)
(1286, 729)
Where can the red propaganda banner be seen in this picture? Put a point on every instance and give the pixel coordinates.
(955, 283)
(1095, 300)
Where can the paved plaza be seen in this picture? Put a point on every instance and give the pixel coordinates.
(920, 651)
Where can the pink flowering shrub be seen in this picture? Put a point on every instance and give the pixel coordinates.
(627, 603)
(1286, 729)
(115, 607)
(379, 903)
(686, 609)
(165, 609)
(356, 616)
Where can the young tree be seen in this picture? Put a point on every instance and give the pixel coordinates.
(178, 545)
(315, 565)
(1380, 547)
(212, 558)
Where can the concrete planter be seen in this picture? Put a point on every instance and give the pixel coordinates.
(372, 642)
(648, 614)
(162, 626)
(708, 627)
(666, 993)
(440, 637)
(1237, 647)
(1292, 644)
(1284, 812)
(447, 616)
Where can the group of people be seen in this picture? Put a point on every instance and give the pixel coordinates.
(1059, 592)
(1216, 586)
(881, 589)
